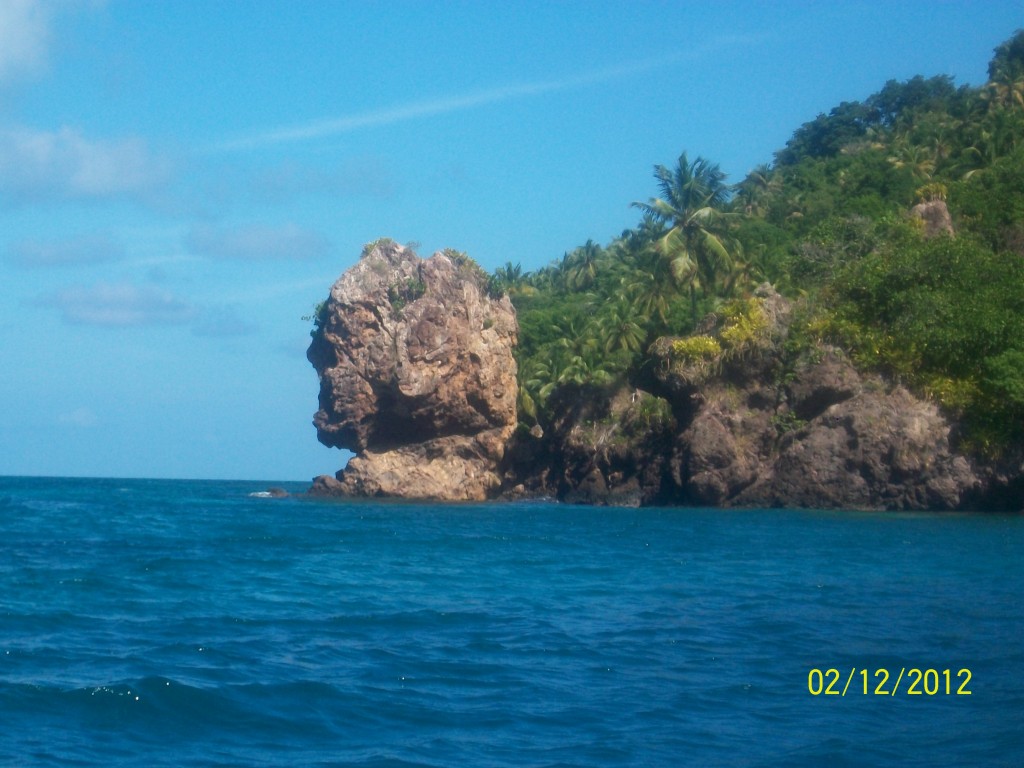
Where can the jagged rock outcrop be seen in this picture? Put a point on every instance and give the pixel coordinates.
(879, 449)
(735, 417)
(417, 377)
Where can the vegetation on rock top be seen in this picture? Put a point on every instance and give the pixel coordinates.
(828, 223)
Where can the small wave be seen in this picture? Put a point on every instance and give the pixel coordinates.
(269, 493)
(175, 723)
(172, 706)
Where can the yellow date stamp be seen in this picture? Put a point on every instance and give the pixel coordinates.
(885, 682)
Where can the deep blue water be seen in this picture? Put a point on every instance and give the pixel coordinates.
(152, 622)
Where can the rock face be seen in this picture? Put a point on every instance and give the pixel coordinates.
(417, 377)
(935, 218)
(755, 425)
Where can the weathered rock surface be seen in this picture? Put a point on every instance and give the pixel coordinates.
(935, 217)
(761, 428)
(417, 377)
(878, 449)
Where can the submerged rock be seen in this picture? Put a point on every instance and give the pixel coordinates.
(417, 377)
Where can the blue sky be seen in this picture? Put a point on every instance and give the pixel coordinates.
(180, 182)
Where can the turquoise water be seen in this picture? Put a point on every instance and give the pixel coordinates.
(186, 623)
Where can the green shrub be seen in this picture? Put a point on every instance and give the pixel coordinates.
(379, 242)
(318, 317)
(650, 414)
(405, 293)
(1004, 378)
(944, 316)
(933, 191)
(468, 269)
(746, 324)
(696, 349)
(787, 421)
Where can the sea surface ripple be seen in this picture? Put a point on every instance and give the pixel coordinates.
(172, 623)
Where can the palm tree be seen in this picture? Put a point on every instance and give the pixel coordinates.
(620, 331)
(509, 277)
(574, 339)
(1005, 90)
(562, 275)
(543, 279)
(649, 287)
(584, 263)
(695, 245)
(920, 160)
(998, 135)
(644, 235)
(760, 184)
(540, 377)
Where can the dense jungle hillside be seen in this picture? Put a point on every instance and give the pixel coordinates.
(895, 224)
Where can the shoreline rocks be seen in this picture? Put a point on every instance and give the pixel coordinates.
(418, 379)
(755, 427)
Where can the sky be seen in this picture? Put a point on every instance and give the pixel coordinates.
(182, 181)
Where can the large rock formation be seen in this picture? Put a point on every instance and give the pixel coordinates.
(417, 377)
(738, 417)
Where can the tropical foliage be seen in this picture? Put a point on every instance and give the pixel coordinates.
(695, 246)
(828, 223)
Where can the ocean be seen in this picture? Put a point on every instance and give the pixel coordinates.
(173, 623)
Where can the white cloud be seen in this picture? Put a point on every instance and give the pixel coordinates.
(24, 37)
(414, 110)
(79, 251)
(83, 418)
(438, 106)
(258, 243)
(63, 164)
(119, 305)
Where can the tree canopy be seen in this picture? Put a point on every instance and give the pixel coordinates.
(828, 223)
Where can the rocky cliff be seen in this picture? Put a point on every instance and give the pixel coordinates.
(417, 377)
(741, 415)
